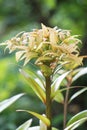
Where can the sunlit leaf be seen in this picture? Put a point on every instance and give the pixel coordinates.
(29, 56)
(34, 85)
(44, 119)
(80, 73)
(76, 124)
(34, 128)
(56, 84)
(6, 103)
(35, 77)
(77, 120)
(46, 70)
(43, 58)
(78, 116)
(36, 72)
(19, 54)
(59, 97)
(59, 67)
(77, 94)
(38, 128)
(42, 125)
(25, 125)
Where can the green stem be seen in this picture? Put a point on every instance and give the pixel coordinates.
(48, 101)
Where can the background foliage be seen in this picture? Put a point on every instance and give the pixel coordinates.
(24, 15)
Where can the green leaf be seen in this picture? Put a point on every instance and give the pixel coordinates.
(76, 124)
(43, 126)
(59, 67)
(38, 128)
(59, 97)
(35, 86)
(56, 84)
(77, 120)
(25, 125)
(77, 94)
(44, 119)
(37, 73)
(34, 128)
(46, 70)
(32, 74)
(79, 74)
(6, 103)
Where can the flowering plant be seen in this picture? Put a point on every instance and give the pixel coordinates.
(56, 53)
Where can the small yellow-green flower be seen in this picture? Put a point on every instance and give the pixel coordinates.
(48, 46)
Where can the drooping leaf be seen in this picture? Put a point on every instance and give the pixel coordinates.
(6, 103)
(77, 120)
(44, 119)
(34, 85)
(25, 125)
(79, 74)
(77, 94)
(56, 84)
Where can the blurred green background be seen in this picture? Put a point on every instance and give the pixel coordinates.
(24, 15)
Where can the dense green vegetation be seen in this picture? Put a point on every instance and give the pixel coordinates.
(24, 15)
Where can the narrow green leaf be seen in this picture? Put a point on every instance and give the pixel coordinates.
(25, 125)
(56, 84)
(34, 76)
(35, 86)
(6, 103)
(76, 124)
(44, 119)
(34, 128)
(38, 73)
(42, 125)
(79, 74)
(59, 67)
(77, 117)
(59, 97)
(38, 128)
(77, 94)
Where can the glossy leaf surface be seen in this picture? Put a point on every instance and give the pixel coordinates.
(34, 85)
(76, 120)
(25, 125)
(77, 94)
(56, 84)
(38, 128)
(80, 73)
(59, 97)
(76, 124)
(6, 103)
(44, 119)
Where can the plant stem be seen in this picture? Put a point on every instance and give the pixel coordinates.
(48, 101)
(66, 102)
(65, 107)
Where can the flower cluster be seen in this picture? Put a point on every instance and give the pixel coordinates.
(48, 46)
